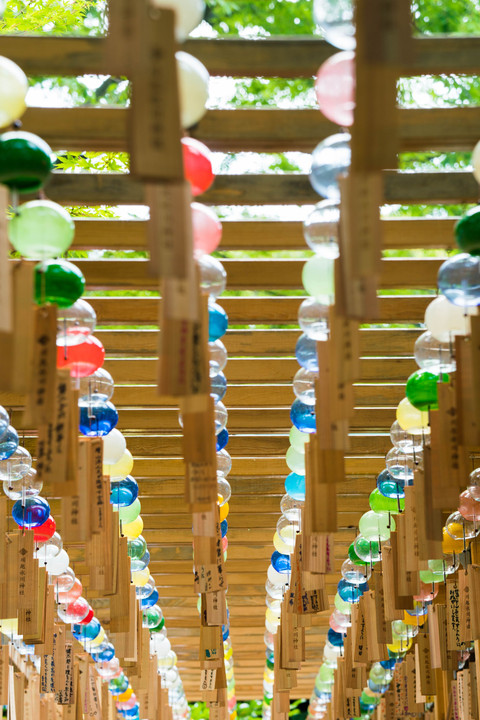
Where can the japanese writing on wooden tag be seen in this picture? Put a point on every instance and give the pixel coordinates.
(59, 656)
(206, 578)
(360, 242)
(318, 552)
(47, 683)
(32, 619)
(207, 679)
(183, 365)
(170, 244)
(426, 675)
(41, 394)
(384, 634)
(76, 510)
(467, 599)
(65, 695)
(58, 438)
(360, 655)
(428, 520)
(290, 642)
(154, 114)
(314, 596)
(215, 608)
(9, 584)
(362, 196)
(455, 703)
(446, 481)
(92, 707)
(412, 560)
(98, 497)
(453, 614)
(201, 485)
(352, 706)
(376, 649)
(200, 456)
(27, 570)
(400, 691)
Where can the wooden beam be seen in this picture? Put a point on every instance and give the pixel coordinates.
(253, 130)
(249, 395)
(262, 370)
(264, 445)
(400, 234)
(277, 419)
(270, 57)
(256, 273)
(266, 189)
(264, 310)
(277, 342)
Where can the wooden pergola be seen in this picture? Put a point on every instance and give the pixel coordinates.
(261, 357)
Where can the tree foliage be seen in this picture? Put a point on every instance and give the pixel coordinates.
(54, 17)
(432, 17)
(260, 19)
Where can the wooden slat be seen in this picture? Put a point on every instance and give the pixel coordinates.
(269, 189)
(138, 311)
(301, 56)
(63, 56)
(254, 130)
(173, 510)
(349, 489)
(399, 234)
(284, 57)
(256, 274)
(236, 558)
(438, 129)
(144, 371)
(250, 465)
(239, 419)
(247, 396)
(241, 444)
(242, 419)
(379, 342)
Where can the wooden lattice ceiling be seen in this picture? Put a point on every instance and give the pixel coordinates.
(261, 364)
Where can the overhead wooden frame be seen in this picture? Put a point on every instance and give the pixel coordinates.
(263, 334)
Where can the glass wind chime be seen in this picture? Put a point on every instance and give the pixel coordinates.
(446, 317)
(42, 230)
(207, 234)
